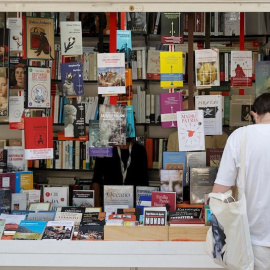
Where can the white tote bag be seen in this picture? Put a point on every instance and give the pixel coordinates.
(228, 240)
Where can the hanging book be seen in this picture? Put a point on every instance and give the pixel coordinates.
(207, 67)
(262, 77)
(4, 47)
(16, 107)
(241, 68)
(111, 73)
(17, 71)
(3, 95)
(171, 69)
(72, 78)
(191, 130)
(153, 65)
(71, 38)
(39, 87)
(212, 113)
(124, 44)
(40, 38)
(137, 22)
(130, 130)
(38, 138)
(15, 38)
(128, 95)
(15, 158)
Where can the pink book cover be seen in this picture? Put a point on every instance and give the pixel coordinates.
(170, 103)
(167, 199)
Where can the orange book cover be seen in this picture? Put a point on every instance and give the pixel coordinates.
(61, 137)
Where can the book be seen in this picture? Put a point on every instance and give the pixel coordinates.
(119, 195)
(40, 38)
(57, 196)
(5, 200)
(155, 216)
(213, 156)
(164, 198)
(2, 226)
(24, 181)
(137, 22)
(40, 206)
(58, 230)
(4, 41)
(153, 65)
(15, 159)
(130, 126)
(187, 222)
(262, 78)
(33, 195)
(91, 231)
(124, 44)
(42, 216)
(16, 109)
(201, 183)
(38, 138)
(231, 22)
(207, 67)
(186, 213)
(18, 201)
(71, 38)
(4, 92)
(191, 130)
(83, 198)
(12, 223)
(170, 103)
(145, 191)
(212, 107)
(15, 38)
(17, 73)
(7, 181)
(128, 95)
(70, 216)
(79, 122)
(30, 230)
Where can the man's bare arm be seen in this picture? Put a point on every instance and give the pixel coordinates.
(220, 188)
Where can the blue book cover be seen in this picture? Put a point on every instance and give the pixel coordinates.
(124, 44)
(262, 77)
(175, 161)
(130, 128)
(72, 78)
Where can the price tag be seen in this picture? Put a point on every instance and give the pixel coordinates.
(5, 182)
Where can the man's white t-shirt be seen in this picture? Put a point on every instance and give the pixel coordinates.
(257, 181)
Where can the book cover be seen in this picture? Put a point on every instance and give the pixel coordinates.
(38, 138)
(196, 159)
(5, 200)
(171, 69)
(119, 195)
(145, 191)
(59, 230)
(71, 38)
(171, 28)
(83, 198)
(42, 216)
(40, 206)
(15, 159)
(191, 130)
(12, 223)
(128, 95)
(172, 181)
(79, 125)
(18, 201)
(213, 156)
(201, 183)
(57, 196)
(16, 109)
(212, 107)
(111, 73)
(207, 67)
(241, 68)
(2, 226)
(112, 124)
(4, 46)
(170, 103)
(123, 43)
(91, 231)
(17, 73)
(130, 127)
(7, 181)
(262, 77)
(137, 22)
(33, 195)
(4, 93)
(30, 230)
(185, 213)
(38, 88)
(72, 78)
(40, 38)
(70, 216)
(155, 216)
(3, 160)
(231, 21)
(164, 199)
(15, 39)
(153, 65)
(24, 181)
(187, 222)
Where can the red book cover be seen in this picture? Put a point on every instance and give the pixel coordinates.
(38, 137)
(7, 180)
(170, 103)
(149, 147)
(167, 199)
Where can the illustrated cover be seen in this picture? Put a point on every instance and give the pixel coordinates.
(79, 125)
(83, 198)
(153, 65)
(33, 195)
(2, 226)
(38, 138)
(18, 201)
(71, 38)
(130, 128)
(91, 231)
(111, 73)
(207, 67)
(57, 196)
(59, 230)
(201, 183)
(171, 69)
(42, 216)
(119, 195)
(22, 212)
(3, 160)
(12, 223)
(170, 103)
(40, 38)
(7, 181)
(191, 130)
(112, 124)
(155, 216)
(40, 206)
(15, 38)
(4, 46)
(231, 23)
(128, 95)
(17, 73)
(39, 87)
(171, 28)
(24, 181)
(72, 209)
(16, 110)
(240, 108)
(30, 230)
(15, 158)
(4, 94)
(70, 216)
(241, 68)
(72, 78)
(212, 107)
(145, 191)
(172, 181)
(5, 200)
(262, 77)
(124, 44)
(137, 22)
(196, 159)
(213, 156)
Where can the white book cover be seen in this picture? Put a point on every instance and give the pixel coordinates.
(12, 223)
(71, 38)
(15, 159)
(16, 107)
(231, 21)
(191, 130)
(207, 67)
(144, 191)
(58, 196)
(70, 216)
(33, 195)
(212, 113)
(15, 35)
(59, 230)
(83, 198)
(241, 68)
(18, 201)
(111, 73)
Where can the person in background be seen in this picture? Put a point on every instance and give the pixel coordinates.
(257, 184)
(127, 166)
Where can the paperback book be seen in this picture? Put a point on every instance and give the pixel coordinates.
(137, 22)
(18, 201)
(16, 109)
(57, 196)
(144, 191)
(12, 223)
(42, 216)
(213, 156)
(7, 181)
(4, 41)
(124, 44)
(15, 159)
(59, 230)
(24, 181)
(91, 231)
(5, 200)
(153, 65)
(17, 73)
(15, 38)
(262, 77)
(2, 226)
(83, 198)
(155, 216)
(164, 199)
(5, 93)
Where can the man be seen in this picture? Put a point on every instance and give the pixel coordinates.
(257, 184)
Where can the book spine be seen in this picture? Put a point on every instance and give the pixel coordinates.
(148, 109)
(139, 65)
(152, 109)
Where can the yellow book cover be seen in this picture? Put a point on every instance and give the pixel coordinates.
(171, 69)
